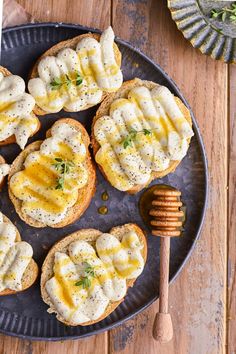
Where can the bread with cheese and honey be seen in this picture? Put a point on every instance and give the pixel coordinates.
(17, 119)
(77, 73)
(52, 182)
(18, 270)
(4, 170)
(140, 133)
(86, 275)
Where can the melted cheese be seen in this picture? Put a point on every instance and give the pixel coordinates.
(94, 61)
(16, 107)
(166, 139)
(113, 263)
(4, 170)
(14, 257)
(36, 185)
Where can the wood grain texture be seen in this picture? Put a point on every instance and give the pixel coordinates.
(197, 298)
(11, 345)
(96, 344)
(93, 13)
(232, 216)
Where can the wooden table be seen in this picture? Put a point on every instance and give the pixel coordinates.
(203, 298)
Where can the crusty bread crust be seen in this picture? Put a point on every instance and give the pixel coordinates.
(2, 160)
(11, 139)
(70, 43)
(85, 194)
(89, 235)
(104, 110)
(31, 273)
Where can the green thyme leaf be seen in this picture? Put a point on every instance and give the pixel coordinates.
(79, 79)
(88, 270)
(57, 83)
(225, 13)
(60, 183)
(68, 81)
(132, 136)
(147, 132)
(85, 282)
(63, 167)
(127, 143)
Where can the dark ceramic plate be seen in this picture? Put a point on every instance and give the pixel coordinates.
(25, 314)
(212, 36)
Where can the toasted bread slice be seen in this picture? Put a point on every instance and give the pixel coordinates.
(89, 235)
(104, 110)
(31, 273)
(85, 194)
(11, 139)
(70, 43)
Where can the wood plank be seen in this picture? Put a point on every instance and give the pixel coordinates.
(11, 345)
(84, 346)
(71, 11)
(14, 345)
(232, 215)
(197, 298)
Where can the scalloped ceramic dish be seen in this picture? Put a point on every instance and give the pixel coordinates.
(212, 36)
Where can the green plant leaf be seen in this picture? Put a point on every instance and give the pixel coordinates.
(132, 136)
(57, 83)
(225, 13)
(63, 167)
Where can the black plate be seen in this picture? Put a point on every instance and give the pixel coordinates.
(25, 314)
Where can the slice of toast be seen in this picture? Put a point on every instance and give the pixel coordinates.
(85, 194)
(104, 110)
(31, 273)
(89, 235)
(11, 139)
(69, 43)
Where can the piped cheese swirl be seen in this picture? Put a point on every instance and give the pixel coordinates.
(142, 134)
(113, 263)
(4, 170)
(16, 117)
(93, 61)
(14, 257)
(38, 186)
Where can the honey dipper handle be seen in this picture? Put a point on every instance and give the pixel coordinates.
(164, 274)
(162, 327)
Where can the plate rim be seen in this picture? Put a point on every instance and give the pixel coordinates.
(197, 34)
(205, 166)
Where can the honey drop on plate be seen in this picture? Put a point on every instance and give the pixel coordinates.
(103, 210)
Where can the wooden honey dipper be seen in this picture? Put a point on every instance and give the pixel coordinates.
(166, 219)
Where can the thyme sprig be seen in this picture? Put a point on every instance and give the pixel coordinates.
(225, 13)
(88, 270)
(85, 280)
(63, 167)
(57, 82)
(132, 136)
